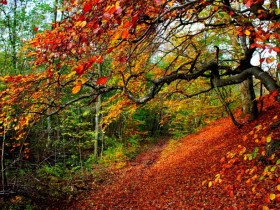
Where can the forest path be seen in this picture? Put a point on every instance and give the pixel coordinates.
(170, 175)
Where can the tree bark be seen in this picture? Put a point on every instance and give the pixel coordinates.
(98, 118)
(249, 103)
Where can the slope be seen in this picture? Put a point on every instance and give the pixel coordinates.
(220, 167)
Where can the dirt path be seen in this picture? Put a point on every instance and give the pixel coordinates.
(170, 176)
(167, 177)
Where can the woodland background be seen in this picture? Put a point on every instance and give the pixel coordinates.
(82, 92)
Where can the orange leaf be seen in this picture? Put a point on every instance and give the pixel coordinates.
(277, 199)
(231, 194)
(101, 81)
(247, 32)
(269, 60)
(77, 88)
(126, 24)
(124, 34)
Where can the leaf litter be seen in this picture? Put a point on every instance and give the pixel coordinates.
(219, 167)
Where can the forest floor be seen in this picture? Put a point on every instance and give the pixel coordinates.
(219, 167)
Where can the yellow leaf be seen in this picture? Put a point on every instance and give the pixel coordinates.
(247, 32)
(204, 182)
(210, 184)
(258, 127)
(275, 117)
(116, 36)
(31, 54)
(278, 187)
(83, 23)
(71, 74)
(268, 139)
(272, 196)
(265, 208)
(78, 23)
(82, 80)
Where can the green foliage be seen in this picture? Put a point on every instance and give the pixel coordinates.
(54, 171)
(118, 154)
(114, 156)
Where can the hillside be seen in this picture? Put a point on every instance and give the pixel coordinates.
(220, 167)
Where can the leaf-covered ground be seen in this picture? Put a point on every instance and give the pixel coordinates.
(220, 167)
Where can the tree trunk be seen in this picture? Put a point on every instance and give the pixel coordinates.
(248, 97)
(3, 175)
(98, 118)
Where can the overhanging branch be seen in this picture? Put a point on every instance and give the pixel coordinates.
(212, 66)
(263, 76)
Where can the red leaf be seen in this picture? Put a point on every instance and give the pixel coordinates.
(81, 18)
(122, 59)
(35, 29)
(127, 24)
(262, 60)
(158, 2)
(274, 93)
(99, 59)
(134, 19)
(4, 2)
(79, 70)
(248, 4)
(110, 50)
(112, 10)
(88, 65)
(92, 59)
(87, 7)
(101, 81)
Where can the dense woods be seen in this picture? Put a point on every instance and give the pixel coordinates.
(87, 85)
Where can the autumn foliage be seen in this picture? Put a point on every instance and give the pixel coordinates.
(138, 39)
(164, 52)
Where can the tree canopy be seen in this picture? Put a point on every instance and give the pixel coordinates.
(150, 45)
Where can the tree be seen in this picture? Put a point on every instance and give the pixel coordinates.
(66, 57)
(19, 22)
